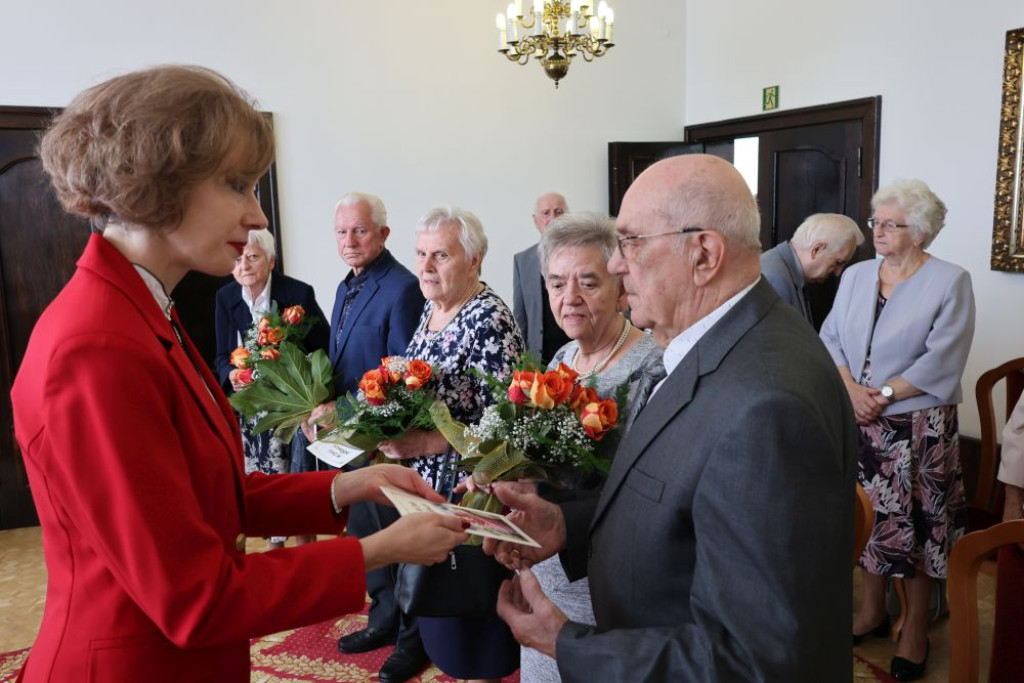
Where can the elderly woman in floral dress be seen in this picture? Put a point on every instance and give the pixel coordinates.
(464, 326)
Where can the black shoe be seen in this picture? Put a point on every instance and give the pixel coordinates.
(906, 670)
(881, 631)
(402, 665)
(368, 639)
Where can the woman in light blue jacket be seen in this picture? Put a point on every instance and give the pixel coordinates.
(900, 331)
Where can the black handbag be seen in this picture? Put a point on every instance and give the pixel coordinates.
(465, 584)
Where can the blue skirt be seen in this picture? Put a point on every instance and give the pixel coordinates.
(470, 647)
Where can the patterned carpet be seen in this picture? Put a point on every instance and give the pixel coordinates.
(310, 655)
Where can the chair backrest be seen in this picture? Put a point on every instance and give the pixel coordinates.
(988, 463)
(863, 522)
(962, 589)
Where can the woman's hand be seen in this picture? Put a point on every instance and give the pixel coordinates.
(365, 483)
(413, 444)
(419, 538)
(868, 403)
(322, 415)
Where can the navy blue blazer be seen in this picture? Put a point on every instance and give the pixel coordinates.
(233, 317)
(380, 323)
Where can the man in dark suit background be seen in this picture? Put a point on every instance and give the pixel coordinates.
(530, 305)
(821, 247)
(719, 548)
(376, 310)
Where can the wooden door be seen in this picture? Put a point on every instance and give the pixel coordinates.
(627, 160)
(39, 246)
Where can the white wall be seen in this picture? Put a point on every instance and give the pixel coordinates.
(407, 100)
(938, 66)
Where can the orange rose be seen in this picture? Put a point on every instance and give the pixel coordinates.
(275, 335)
(240, 358)
(550, 389)
(244, 376)
(418, 374)
(372, 385)
(581, 396)
(293, 315)
(599, 418)
(264, 324)
(261, 337)
(566, 372)
(519, 388)
(270, 353)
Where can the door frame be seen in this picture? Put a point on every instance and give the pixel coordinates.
(866, 110)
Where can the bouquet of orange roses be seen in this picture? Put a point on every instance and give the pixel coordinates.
(392, 399)
(542, 425)
(283, 384)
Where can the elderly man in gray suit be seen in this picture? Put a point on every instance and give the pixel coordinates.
(719, 548)
(821, 247)
(530, 305)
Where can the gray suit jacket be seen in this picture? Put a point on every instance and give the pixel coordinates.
(527, 298)
(720, 547)
(782, 269)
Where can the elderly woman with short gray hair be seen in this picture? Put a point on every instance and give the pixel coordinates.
(900, 332)
(464, 326)
(608, 351)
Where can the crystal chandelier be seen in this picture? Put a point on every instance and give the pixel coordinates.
(555, 32)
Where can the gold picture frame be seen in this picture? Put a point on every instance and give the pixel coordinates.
(1008, 222)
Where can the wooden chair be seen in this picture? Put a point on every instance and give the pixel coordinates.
(964, 562)
(985, 507)
(863, 521)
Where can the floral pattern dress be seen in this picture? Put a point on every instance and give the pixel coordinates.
(484, 336)
(909, 465)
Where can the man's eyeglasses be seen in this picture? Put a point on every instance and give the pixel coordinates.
(888, 226)
(630, 239)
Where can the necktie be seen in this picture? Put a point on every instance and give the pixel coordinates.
(654, 372)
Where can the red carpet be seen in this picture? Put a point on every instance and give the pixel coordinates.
(310, 655)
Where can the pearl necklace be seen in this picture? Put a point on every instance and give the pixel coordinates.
(604, 361)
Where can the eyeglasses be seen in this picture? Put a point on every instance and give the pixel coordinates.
(629, 239)
(888, 226)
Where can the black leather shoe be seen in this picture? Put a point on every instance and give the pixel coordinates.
(906, 670)
(402, 665)
(366, 640)
(880, 631)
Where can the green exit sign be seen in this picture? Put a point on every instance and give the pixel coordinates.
(770, 98)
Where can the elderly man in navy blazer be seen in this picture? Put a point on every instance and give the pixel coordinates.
(376, 310)
(719, 548)
(821, 247)
(530, 305)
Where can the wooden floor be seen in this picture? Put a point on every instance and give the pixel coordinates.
(23, 583)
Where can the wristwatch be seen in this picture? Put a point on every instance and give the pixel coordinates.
(887, 391)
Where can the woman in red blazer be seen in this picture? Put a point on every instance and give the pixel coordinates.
(133, 454)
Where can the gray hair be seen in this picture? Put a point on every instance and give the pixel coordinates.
(378, 214)
(922, 210)
(471, 231)
(583, 229)
(834, 229)
(709, 205)
(264, 239)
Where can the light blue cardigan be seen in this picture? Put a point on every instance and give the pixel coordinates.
(923, 334)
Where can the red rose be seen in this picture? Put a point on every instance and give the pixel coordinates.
(418, 374)
(390, 375)
(581, 396)
(244, 376)
(270, 353)
(240, 357)
(293, 315)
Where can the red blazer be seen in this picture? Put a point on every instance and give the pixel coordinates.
(136, 470)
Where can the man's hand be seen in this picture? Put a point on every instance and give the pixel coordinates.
(322, 415)
(535, 620)
(365, 483)
(542, 520)
(419, 538)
